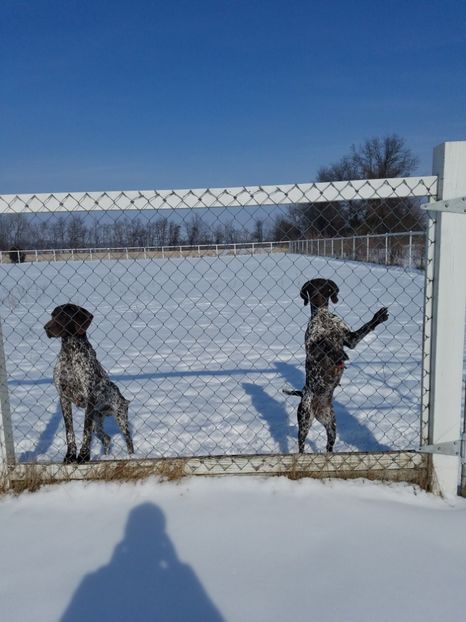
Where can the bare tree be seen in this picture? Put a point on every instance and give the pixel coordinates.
(76, 232)
(376, 158)
(258, 234)
(196, 231)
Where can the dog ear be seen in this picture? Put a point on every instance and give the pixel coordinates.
(82, 320)
(332, 291)
(305, 293)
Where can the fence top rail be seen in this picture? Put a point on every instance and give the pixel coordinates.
(242, 196)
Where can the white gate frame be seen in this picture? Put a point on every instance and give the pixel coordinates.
(445, 316)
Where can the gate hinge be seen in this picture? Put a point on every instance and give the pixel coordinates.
(448, 448)
(449, 205)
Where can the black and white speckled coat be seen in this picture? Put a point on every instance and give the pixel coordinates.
(81, 380)
(326, 337)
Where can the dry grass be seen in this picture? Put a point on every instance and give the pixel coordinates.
(30, 477)
(32, 482)
(420, 477)
(167, 469)
(33, 476)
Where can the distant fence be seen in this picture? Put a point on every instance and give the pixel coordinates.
(405, 249)
(148, 252)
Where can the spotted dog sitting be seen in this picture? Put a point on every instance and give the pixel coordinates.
(326, 337)
(81, 380)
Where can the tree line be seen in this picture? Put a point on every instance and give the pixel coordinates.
(77, 231)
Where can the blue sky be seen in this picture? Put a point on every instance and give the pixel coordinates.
(112, 94)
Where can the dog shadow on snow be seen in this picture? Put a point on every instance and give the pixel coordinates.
(144, 581)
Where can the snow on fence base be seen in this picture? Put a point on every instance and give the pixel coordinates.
(396, 466)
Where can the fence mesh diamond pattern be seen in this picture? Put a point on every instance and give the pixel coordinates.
(197, 315)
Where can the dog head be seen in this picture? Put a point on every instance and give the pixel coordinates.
(317, 292)
(68, 320)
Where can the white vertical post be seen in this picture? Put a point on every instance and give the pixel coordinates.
(7, 449)
(448, 314)
(386, 249)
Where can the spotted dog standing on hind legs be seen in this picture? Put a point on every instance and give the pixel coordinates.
(325, 339)
(80, 379)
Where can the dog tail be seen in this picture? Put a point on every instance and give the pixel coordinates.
(292, 392)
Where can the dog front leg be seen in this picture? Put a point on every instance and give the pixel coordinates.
(352, 338)
(69, 431)
(85, 453)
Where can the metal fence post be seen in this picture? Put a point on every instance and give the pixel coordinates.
(448, 315)
(7, 450)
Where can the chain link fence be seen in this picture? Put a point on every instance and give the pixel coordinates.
(197, 315)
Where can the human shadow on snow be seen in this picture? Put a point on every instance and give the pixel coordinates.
(144, 581)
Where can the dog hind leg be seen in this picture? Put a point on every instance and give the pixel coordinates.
(123, 424)
(98, 427)
(305, 416)
(326, 416)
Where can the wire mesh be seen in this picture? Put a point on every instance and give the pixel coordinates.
(197, 316)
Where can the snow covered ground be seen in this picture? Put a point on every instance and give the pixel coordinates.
(202, 346)
(233, 550)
